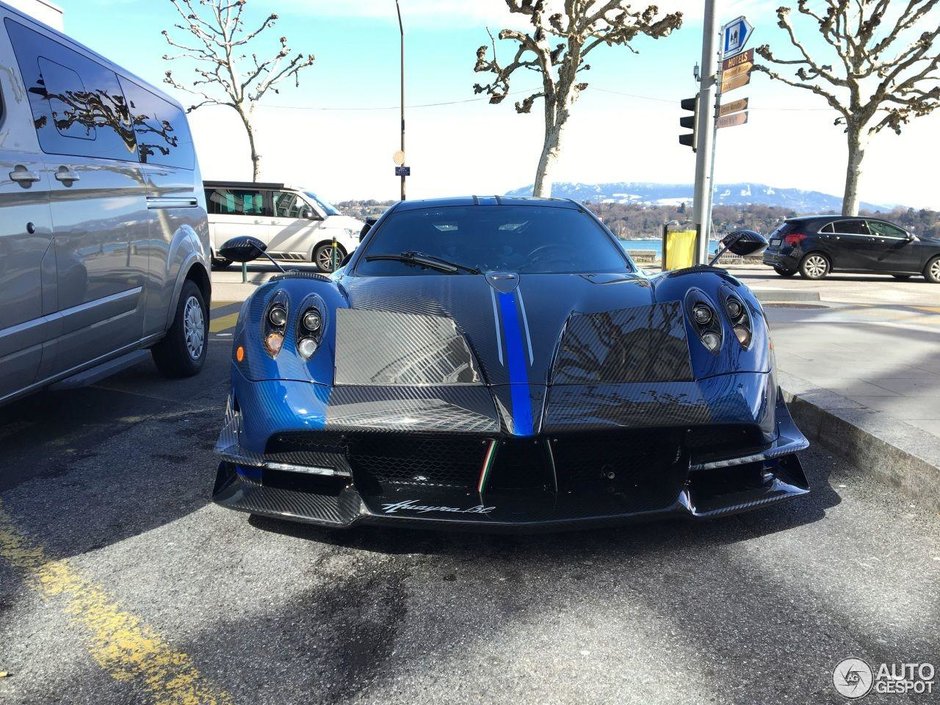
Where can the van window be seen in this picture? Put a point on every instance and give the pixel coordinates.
(223, 201)
(288, 204)
(77, 104)
(162, 132)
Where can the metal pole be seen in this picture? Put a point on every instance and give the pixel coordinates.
(705, 131)
(401, 28)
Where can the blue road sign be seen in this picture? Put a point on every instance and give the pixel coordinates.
(402, 171)
(734, 36)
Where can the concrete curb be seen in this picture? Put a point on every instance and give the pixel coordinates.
(881, 447)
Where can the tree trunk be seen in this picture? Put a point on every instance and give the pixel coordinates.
(853, 171)
(255, 157)
(551, 148)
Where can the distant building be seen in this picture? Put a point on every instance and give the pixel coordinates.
(41, 10)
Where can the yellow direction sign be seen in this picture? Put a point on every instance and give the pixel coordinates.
(734, 106)
(731, 120)
(729, 84)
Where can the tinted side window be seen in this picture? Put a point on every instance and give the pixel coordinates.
(851, 227)
(827, 228)
(77, 105)
(223, 201)
(886, 230)
(161, 129)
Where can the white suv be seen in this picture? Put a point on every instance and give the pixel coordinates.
(292, 222)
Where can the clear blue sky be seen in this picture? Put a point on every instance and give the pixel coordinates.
(336, 133)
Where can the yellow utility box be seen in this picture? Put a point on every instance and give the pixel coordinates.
(678, 246)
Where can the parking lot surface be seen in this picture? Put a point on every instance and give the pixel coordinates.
(120, 583)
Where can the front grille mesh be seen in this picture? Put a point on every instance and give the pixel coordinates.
(615, 461)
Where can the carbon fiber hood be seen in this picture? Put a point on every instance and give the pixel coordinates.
(508, 329)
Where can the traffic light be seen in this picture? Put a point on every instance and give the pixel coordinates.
(688, 139)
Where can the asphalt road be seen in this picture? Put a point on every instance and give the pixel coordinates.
(119, 583)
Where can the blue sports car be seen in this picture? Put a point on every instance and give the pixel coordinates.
(502, 363)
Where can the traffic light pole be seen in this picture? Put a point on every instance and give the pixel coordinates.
(705, 134)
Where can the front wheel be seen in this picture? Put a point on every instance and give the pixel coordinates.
(323, 256)
(814, 266)
(784, 272)
(182, 352)
(932, 271)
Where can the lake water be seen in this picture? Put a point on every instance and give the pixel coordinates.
(656, 245)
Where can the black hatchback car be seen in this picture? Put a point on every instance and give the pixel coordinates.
(815, 245)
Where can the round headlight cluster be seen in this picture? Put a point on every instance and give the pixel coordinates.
(735, 309)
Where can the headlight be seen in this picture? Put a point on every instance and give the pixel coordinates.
(274, 328)
(740, 320)
(310, 331)
(312, 320)
(702, 314)
(278, 316)
(705, 320)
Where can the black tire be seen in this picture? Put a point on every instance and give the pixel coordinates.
(815, 265)
(932, 271)
(182, 352)
(221, 263)
(322, 256)
(784, 272)
(901, 276)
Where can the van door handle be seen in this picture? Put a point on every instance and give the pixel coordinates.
(66, 175)
(22, 175)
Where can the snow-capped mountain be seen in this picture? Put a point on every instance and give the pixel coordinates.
(741, 194)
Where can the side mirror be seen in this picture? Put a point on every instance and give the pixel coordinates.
(741, 243)
(744, 242)
(242, 249)
(307, 213)
(367, 227)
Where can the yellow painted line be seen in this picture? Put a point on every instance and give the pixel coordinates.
(217, 325)
(126, 648)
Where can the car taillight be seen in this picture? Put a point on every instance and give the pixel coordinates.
(793, 239)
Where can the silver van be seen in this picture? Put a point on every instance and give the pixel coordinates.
(104, 240)
(293, 222)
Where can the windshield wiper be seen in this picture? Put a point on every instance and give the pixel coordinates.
(425, 260)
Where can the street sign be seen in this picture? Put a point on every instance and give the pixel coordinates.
(731, 120)
(729, 84)
(398, 157)
(737, 71)
(735, 35)
(402, 171)
(733, 107)
(746, 57)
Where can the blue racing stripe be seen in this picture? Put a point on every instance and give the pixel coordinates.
(518, 372)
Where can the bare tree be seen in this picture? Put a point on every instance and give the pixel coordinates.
(883, 74)
(580, 27)
(225, 73)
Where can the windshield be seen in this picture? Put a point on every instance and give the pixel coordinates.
(531, 239)
(327, 207)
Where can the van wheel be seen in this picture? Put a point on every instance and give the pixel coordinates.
(182, 352)
(221, 263)
(814, 266)
(323, 256)
(932, 271)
